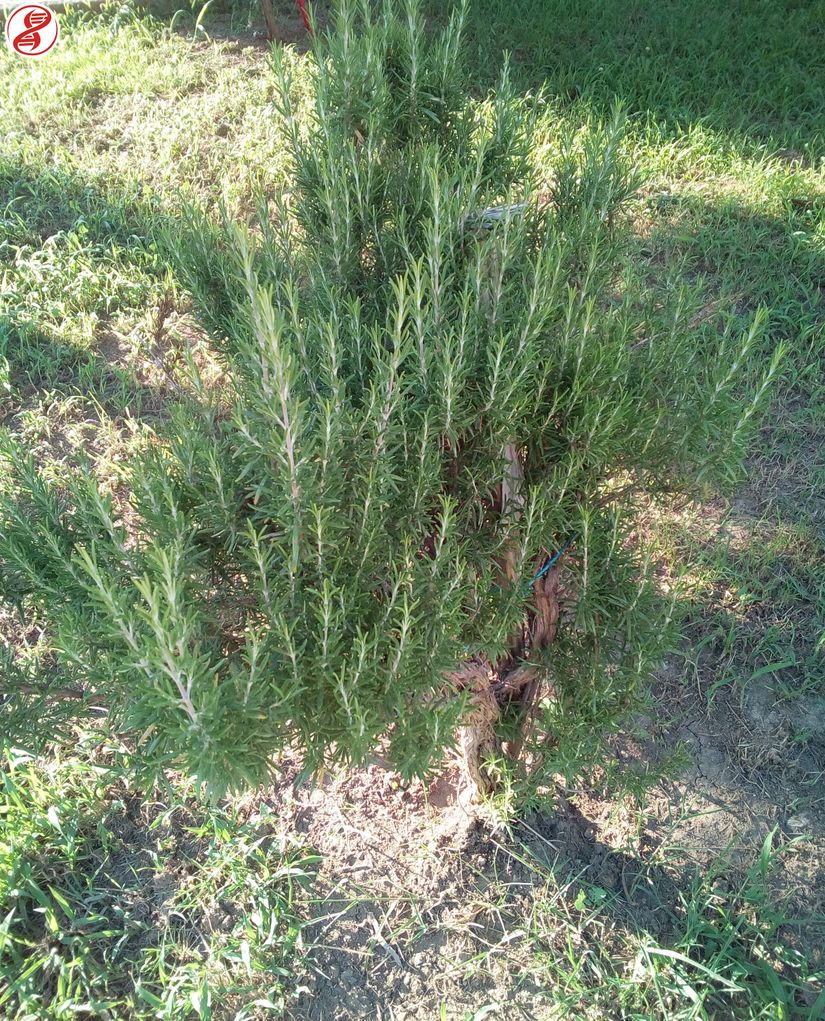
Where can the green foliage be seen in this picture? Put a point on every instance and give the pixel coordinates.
(719, 948)
(116, 908)
(307, 552)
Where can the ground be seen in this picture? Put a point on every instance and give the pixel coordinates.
(683, 878)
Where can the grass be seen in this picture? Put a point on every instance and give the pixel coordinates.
(113, 906)
(726, 955)
(119, 904)
(746, 73)
(728, 131)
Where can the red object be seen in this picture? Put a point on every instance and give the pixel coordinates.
(31, 30)
(302, 7)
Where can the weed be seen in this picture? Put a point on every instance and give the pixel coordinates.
(115, 904)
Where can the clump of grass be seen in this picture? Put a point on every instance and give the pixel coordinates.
(127, 103)
(722, 945)
(116, 906)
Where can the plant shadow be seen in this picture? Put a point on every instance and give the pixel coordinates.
(749, 71)
(412, 907)
(60, 229)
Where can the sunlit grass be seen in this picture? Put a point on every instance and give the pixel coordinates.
(725, 104)
(118, 904)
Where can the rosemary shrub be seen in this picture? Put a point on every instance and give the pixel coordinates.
(406, 518)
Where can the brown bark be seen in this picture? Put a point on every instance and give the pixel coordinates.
(478, 740)
(512, 683)
(269, 18)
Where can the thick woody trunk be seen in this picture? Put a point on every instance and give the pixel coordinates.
(511, 684)
(478, 740)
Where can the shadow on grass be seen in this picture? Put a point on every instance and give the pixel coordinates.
(72, 252)
(713, 240)
(738, 257)
(547, 915)
(752, 70)
(746, 254)
(38, 366)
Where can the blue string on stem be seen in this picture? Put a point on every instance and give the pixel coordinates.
(543, 570)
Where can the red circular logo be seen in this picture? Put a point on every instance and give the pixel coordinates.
(31, 30)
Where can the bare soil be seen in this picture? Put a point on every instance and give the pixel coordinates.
(424, 904)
